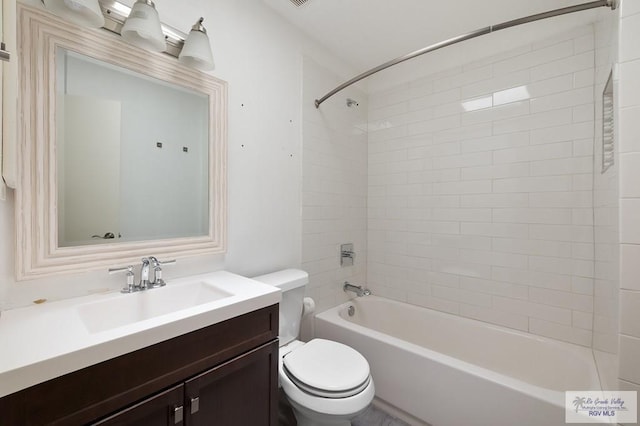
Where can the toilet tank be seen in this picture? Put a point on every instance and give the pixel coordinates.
(292, 282)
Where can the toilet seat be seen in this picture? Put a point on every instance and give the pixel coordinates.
(328, 405)
(327, 369)
(350, 405)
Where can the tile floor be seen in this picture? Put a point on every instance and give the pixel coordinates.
(376, 417)
(371, 417)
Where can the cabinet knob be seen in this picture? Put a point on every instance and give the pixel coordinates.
(178, 414)
(195, 405)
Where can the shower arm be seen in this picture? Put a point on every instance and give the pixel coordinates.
(613, 4)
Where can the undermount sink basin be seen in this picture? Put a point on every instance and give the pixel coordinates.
(128, 309)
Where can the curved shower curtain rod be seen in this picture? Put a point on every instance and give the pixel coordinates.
(477, 33)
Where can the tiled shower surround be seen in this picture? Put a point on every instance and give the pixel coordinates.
(334, 186)
(480, 195)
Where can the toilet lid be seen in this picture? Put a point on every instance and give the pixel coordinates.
(326, 368)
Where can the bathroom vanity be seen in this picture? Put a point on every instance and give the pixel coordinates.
(208, 364)
(199, 351)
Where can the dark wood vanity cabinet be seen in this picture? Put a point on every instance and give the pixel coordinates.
(165, 408)
(230, 394)
(233, 394)
(225, 374)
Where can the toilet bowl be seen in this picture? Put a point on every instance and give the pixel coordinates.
(326, 382)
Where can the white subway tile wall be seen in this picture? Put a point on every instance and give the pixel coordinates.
(334, 186)
(629, 356)
(605, 202)
(480, 185)
(629, 135)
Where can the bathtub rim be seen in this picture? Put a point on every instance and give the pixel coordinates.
(551, 396)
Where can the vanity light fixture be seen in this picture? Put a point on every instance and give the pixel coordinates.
(142, 27)
(139, 25)
(82, 12)
(196, 52)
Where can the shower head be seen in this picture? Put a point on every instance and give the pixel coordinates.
(352, 103)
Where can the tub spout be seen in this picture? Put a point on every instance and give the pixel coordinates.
(357, 289)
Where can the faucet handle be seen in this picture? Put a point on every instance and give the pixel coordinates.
(130, 288)
(121, 269)
(155, 262)
(157, 280)
(347, 254)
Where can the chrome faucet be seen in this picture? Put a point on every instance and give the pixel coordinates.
(145, 283)
(357, 289)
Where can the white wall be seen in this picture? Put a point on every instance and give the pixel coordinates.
(334, 185)
(629, 170)
(260, 56)
(480, 189)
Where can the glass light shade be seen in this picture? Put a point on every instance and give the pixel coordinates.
(82, 12)
(142, 27)
(196, 52)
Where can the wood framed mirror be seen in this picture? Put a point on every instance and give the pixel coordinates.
(122, 153)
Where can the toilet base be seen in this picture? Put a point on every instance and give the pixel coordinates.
(306, 417)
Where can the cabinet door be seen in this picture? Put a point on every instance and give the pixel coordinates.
(240, 392)
(163, 409)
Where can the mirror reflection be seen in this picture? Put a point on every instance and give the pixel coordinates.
(132, 155)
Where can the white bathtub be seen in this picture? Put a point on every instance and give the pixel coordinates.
(451, 371)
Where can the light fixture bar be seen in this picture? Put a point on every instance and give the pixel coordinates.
(115, 13)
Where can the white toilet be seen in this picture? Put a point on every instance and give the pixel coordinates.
(326, 382)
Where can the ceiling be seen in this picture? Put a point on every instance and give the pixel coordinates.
(366, 33)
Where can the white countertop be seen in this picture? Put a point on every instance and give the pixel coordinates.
(41, 342)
